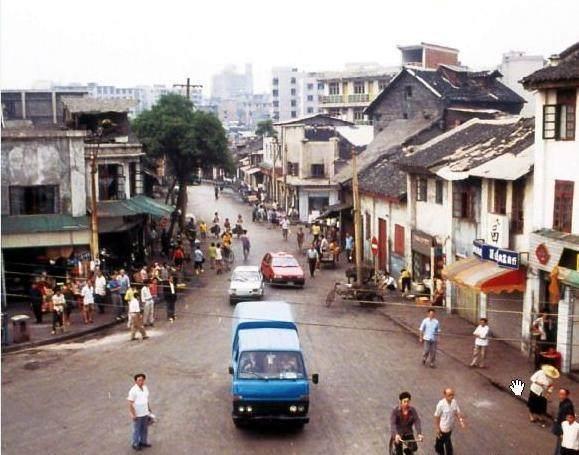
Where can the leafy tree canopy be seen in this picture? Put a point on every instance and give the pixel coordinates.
(265, 128)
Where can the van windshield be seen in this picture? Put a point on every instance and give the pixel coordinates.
(271, 365)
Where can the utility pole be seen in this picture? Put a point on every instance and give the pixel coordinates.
(357, 221)
(94, 221)
(188, 86)
(285, 192)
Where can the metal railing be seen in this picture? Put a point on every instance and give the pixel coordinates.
(359, 98)
(331, 99)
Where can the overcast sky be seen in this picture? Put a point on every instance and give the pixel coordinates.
(131, 42)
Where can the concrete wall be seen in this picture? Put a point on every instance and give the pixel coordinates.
(394, 104)
(30, 158)
(515, 66)
(554, 160)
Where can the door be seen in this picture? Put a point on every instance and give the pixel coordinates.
(382, 244)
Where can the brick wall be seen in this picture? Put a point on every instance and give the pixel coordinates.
(433, 58)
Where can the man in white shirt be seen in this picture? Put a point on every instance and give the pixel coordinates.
(100, 291)
(481, 341)
(139, 410)
(87, 293)
(445, 416)
(148, 305)
(570, 437)
(136, 319)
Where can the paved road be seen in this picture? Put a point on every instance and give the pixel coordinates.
(70, 398)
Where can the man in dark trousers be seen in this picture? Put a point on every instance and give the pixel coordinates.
(36, 302)
(313, 257)
(565, 407)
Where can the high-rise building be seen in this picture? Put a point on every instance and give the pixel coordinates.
(294, 93)
(230, 84)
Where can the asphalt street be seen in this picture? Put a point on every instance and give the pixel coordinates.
(70, 398)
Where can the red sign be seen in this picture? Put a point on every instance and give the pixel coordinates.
(374, 246)
(542, 254)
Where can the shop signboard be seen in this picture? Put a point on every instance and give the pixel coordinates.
(501, 256)
(421, 242)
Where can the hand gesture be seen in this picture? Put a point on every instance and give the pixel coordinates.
(397, 438)
(517, 387)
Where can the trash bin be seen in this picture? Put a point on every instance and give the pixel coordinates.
(20, 332)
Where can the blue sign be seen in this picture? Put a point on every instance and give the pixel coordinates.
(502, 257)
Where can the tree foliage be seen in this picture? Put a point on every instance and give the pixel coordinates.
(188, 139)
(265, 128)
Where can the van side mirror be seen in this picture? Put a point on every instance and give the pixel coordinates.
(315, 378)
(230, 370)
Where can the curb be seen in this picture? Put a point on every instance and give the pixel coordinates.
(15, 347)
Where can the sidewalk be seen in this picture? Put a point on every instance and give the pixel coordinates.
(504, 362)
(40, 334)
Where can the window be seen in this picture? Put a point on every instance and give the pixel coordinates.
(517, 217)
(310, 110)
(421, 188)
(293, 103)
(293, 80)
(310, 97)
(358, 114)
(438, 195)
(293, 92)
(111, 182)
(408, 92)
(500, 197)
(368, 230)
(382, 85)
(294, 114)
(334, 88)
(399, 239)
(275, 92)
(563, 206)
(317, 170)
(34, 200)
(463, 203)
(310, 86)
(276, 115)
(275, 103)
(559, 119)
(275, 81)
(293, 169)
(359, 87)
(320, 85)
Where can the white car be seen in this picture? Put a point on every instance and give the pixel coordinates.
(246, 283)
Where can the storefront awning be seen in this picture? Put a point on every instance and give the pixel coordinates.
(334, 210)
(252, 171)
(138, 205)
(485, 276)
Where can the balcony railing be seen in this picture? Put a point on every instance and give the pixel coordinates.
(332, 99)
(359, 98)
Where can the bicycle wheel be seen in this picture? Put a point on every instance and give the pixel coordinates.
(231, 257)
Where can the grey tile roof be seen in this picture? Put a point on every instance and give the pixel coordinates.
(384, 177)
(471, 144)
(567, 69)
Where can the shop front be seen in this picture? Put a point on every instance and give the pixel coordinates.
(490, 285)
(427, 258)
(554, 287)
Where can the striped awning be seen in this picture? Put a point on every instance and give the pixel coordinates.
(485, 276)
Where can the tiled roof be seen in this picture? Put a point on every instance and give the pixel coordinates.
(314, 119)
(567, 69)
(471, 145)
(384, 177)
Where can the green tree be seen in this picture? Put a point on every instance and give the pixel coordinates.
(265, 128)
(187, 139)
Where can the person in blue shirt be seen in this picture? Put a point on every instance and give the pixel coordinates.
(349, 246)
(429, 330)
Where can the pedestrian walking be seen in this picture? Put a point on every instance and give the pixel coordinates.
(171, 298)
(114, 286)
(481, 342)
(565, 408)
(69, 302)
(211, 253)
(540, 389)
(570, 436)
(445, 416)
(300, 236)
(199, 260)
(429, 330)
(284, 227)
(36, 298)
(403, 419)
(218, 259)
(313, 258)
(58, 304)
(349, 246)
(140, 412)
(100, 291)
(178, 256)
(316, 230)
(87, 293)
(246, 244)
(148, 305)
(125, 283)
(136, 319)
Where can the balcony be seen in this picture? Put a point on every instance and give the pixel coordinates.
(359, 98)
(332, 99)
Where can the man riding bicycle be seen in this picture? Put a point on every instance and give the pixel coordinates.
(402, 419)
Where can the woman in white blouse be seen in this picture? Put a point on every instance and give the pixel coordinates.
(541, 387)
